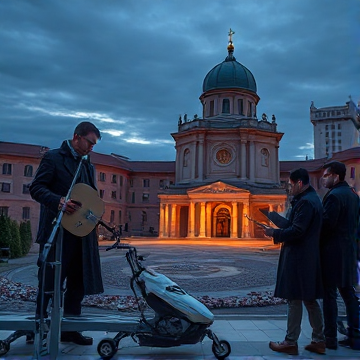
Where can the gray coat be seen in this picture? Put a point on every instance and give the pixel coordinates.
(299, 272)
(52, 181)
(338, 235)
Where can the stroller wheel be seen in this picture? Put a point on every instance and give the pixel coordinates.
(222, 350)
(4, 347)
(107, 348)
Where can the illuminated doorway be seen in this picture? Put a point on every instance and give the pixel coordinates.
(222, 223)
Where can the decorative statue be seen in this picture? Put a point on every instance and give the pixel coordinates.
(264, 117)
(180, 121)
(273, 118)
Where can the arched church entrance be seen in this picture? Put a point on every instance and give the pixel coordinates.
(222, 222)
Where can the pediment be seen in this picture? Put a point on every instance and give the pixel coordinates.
(218, 188)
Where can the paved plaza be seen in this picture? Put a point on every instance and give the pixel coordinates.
(221, 270)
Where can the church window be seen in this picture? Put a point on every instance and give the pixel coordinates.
(28, 171)
(131, 182)
(226, 106)
(26, 189)
(212, 108)
(146, 183)
(133, 197)
(113, 179)
(102, 176)
(249, 113)
(121, 181)
(112, 216)
(241, 106)
(339, 126)
(145, 197)
(327, 127)
(102, 192)
(113, 194)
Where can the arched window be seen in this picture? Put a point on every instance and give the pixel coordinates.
(264, 157)
(226, 106)
(186, 157)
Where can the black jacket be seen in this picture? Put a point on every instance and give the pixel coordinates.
(299, 272)
(338, 235)
(52, 181)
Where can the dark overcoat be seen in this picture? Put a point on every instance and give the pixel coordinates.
(52, 181)
(299, 272)
(338, 235)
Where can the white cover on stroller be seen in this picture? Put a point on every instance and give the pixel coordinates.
(174, 295)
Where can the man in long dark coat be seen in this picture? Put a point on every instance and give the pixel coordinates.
(299, 272)
(80, 263)
(339, 254)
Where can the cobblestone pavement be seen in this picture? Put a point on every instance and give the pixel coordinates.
(216, 271)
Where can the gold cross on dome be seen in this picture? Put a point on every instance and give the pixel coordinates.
(231, 33)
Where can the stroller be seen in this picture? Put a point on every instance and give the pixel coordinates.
(179, 318)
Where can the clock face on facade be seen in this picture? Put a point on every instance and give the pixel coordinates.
(223, 156)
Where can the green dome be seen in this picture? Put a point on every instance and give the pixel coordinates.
(229, 74)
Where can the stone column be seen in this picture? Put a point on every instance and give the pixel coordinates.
(277, 169)
(202, 219)
(178, 166)
(208, 219)
(246, 224)
(191, 226)
(252, 161)
(201, 160)
(234, 220)
(166, 219)
(173, 229)
(193, 162)
(162, 220)
(243, 159)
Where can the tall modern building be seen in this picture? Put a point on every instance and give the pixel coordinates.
(335, 128)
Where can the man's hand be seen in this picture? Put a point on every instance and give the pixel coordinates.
(70, 206)
(268, 231)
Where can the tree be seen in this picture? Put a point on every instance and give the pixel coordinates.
(5, 235)
(15, 242)
(25, 237)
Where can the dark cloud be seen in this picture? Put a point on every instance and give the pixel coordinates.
(132, 67)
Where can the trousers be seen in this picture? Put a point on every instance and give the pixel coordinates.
(295, 311)
(330, 308)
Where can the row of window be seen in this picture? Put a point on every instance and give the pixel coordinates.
(6, 188)
(226, 107)
(114, 178)
(332, 127)
(146, 182)
(329, 113)
(7, 170)
(4, 210)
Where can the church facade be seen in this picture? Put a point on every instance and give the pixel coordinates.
(227, 163)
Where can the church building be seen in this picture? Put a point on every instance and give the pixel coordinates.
(227, 162)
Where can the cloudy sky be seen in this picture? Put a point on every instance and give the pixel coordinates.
(132, 67)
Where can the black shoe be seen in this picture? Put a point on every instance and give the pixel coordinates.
(76, 337)
(331, 343)
(347, 342)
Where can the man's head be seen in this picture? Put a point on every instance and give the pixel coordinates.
(86, 135)
(334, 172)
(299, 181)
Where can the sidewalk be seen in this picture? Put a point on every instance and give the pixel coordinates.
(248, 336)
